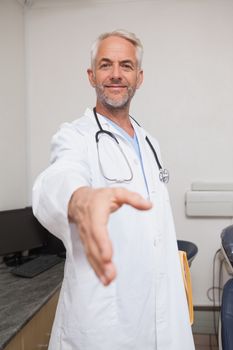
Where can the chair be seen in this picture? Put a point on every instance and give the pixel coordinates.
(227, 316)
(190, 248)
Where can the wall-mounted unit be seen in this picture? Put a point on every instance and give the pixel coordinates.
(210, 199)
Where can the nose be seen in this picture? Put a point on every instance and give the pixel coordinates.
(116, 72)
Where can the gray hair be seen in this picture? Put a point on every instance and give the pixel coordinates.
(131, 37)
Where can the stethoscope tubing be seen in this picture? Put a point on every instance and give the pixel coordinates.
(163, 173)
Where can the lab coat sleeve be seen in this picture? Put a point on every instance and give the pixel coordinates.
(54, 187)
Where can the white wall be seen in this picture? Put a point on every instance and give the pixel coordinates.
(12, 106)
(186, 100)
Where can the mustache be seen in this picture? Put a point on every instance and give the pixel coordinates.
(116, 81)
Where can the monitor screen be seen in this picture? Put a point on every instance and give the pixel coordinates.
(20, 231)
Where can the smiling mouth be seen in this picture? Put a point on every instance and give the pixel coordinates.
(116, 86)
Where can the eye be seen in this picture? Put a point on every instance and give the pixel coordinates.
(105, 65)
(127, 66)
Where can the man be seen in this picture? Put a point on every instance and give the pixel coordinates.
(102, 196)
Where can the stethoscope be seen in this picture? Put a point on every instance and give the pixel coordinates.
(163, 173)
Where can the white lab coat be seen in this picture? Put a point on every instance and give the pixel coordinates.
(145, 307)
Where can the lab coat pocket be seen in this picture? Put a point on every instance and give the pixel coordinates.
(94, 307)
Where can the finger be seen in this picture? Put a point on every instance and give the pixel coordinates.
(94, 258)
(101, 253)
(94, 236)
(98, 271)
(109, 272)
(99, 232)
(123, 196)
(93, 251)
(104, 244)
(106, 273)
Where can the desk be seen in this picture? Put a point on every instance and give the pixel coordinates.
(27, 308)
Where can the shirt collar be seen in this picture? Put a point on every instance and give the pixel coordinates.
(108, 125)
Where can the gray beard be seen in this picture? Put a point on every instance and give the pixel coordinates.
(111, 103)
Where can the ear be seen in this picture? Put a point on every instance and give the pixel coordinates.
(91, 77)
(139, 78)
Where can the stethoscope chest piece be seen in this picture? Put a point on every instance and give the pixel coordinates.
(164, 175)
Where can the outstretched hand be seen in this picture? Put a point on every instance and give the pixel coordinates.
(89, 209)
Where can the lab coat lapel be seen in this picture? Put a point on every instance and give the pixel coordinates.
(148, 161)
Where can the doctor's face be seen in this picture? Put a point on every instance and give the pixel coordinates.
(116, 74)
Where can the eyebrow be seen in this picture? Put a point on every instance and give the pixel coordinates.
(105, 59)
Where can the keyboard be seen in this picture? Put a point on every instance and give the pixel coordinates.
(36, 266)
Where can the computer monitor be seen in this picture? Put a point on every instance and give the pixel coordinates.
(20, 231)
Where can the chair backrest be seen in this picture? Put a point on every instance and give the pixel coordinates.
(189, 247)
(227, 316)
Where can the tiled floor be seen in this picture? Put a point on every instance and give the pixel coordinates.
(205, 342)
